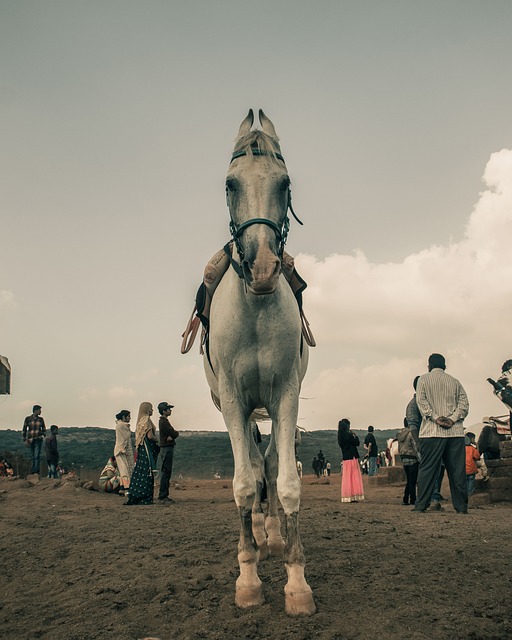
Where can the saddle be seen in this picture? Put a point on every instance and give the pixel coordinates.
(213, 273)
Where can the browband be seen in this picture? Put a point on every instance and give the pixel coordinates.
(257, 152)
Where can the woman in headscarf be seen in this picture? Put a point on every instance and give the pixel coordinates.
(123, 451)
(351, 478)
(143, 478)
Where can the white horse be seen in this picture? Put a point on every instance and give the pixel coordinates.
(392, 445)
(256, 358)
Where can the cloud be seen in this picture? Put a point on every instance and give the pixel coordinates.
(119, 393)
(376, 324)
(7, 300)
(143, 376)
(113, 393)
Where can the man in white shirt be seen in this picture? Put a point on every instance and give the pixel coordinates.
(443, 404)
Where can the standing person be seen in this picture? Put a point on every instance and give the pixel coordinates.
(142, 482)
(52, 452)
(34, 430)
(321, 462)
(123, 450)
(351, 479)
(443, 403)
(168, 435)
(408, 451)
(370, 444)
(472, 460)
(412, 413)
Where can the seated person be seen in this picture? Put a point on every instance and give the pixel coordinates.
(110, 480)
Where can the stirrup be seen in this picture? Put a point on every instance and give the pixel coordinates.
(306, 330)
(189, 335)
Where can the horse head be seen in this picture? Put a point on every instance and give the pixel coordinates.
(258, 197)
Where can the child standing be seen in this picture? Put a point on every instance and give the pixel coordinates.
(472, 457)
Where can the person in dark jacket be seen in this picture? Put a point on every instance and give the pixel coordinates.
(52, 452)
(409, 453)
(168, 435)
(370, 444)
(351, 478)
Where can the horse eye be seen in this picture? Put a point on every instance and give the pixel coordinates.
(285, 184)
(230, 185)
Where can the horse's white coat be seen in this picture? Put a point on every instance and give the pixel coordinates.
(258, 361)
(392, 444)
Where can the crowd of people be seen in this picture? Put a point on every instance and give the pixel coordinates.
(132, 473)
(129, 472)
(321, 466)
(431, 442)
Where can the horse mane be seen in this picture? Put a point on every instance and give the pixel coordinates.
(257, 139)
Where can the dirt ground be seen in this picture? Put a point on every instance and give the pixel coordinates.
(78, 565)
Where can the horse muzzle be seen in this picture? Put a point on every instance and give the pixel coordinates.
(262, 276)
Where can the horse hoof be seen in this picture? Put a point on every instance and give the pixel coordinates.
(300, 604)
(249, 597)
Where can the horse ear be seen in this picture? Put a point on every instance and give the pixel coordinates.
(267, 126)
(246, 125)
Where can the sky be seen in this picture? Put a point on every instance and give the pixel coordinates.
(117, 123)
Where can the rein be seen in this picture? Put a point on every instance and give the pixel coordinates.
(281, 232)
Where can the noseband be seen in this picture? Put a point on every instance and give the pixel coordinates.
(280, 231)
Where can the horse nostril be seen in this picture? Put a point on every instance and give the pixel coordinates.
(246, 268)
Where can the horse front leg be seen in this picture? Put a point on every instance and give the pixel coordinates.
(249, 590)
(275, 540)
(258, 517)
(298, 594)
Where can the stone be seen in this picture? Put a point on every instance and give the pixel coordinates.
(33, 479)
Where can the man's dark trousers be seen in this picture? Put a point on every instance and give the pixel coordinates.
(167, 454)
(452, 452)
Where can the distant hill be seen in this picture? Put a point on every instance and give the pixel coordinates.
(199, 454)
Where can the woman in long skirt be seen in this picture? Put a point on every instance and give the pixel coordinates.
(351, 478)
(123, 450)
(143, 477)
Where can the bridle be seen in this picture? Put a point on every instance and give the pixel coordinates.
(281, 231)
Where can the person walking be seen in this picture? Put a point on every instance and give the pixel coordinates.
(52, 452)
(34, 430)
(351, 478)
(142, 482)
(123, 450)
(408, 451)
(443, 404)
(370, 444)
(168, 435)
